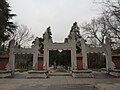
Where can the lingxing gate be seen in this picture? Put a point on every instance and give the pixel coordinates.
(70, 43)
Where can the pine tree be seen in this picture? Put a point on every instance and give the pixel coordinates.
(6, 24)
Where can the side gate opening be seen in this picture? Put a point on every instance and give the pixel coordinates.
(96, 61)
(23, 62)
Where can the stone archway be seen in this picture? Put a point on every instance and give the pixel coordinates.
(70, 43)
(105, 48)
(49, 45)
(53, 46)
(15, 50)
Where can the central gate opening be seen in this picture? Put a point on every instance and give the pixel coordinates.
(23, 62)
(60, 60)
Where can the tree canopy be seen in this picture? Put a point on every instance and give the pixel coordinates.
(22, 35)
(108, 23)
(6, 24)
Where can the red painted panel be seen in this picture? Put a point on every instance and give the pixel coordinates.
(3, 65)
(40, 65)
(79, 64)
(117, 63)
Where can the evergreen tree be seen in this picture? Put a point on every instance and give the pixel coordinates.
(6, 24)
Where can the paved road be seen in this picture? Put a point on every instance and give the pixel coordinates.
(53, 83)
(60, 83)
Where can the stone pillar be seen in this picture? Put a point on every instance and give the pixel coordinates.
(35, 60)
(35, 54)
(84, 54)
(12, 61)
(72, 43)
(74, 55)
(108, 55)
(47, 40)
(47, 59)
(11, 64)
(73, 59)
(44, 59)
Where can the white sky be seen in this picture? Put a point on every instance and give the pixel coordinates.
(59, 14)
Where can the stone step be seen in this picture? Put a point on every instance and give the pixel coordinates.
(60, 74)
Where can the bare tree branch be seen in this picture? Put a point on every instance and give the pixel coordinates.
(22, 35)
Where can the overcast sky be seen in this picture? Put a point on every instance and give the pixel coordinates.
(59, 14)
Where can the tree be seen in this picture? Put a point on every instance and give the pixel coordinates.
(111, 15)
(107, 23)
(22, 35)
(95, 31)
(6, 25)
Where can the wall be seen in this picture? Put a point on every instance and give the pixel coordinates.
(117, 64)
(40, 62)
(40, 65)
(79, 63)
(3, 61)
(116, 60)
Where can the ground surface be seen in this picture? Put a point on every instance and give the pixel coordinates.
(99, 82)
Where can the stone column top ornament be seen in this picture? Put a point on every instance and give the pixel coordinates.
(47, 34)
(37, 41)
(75, 29)
(107, 39)
(12, 43)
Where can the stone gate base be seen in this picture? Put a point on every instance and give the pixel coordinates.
(8, 73)
(115, 72)
(82, 73)
(5, 73)
(37, 74)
